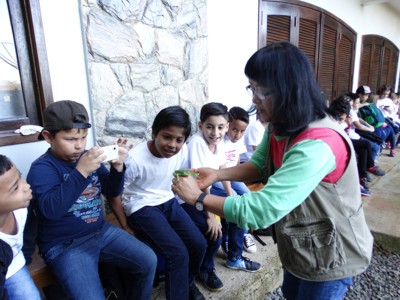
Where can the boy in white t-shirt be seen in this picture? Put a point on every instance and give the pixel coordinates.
(235, 239)
(15, 195)
(206, 150)
(252, 137)
(151, 209)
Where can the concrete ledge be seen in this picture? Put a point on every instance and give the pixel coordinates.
(382, 209)
(240, 284)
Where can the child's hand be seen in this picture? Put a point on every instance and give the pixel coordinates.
(214, 227)
(123, 150)
(90, 161)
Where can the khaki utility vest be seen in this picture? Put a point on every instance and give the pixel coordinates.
(326, 237)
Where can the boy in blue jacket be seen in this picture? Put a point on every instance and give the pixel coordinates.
(73, 237)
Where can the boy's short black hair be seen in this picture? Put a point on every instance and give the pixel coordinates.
(353, 96)
(339, 106)
(214, 109)
(238, 113)
(5, 164)
(172, 116)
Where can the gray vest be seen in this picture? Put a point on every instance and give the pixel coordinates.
(326, 237)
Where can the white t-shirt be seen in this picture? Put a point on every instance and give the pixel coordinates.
(233, 151)
(200, 155)
(394, 115)
(148, 178)
(16, 241)
(252, 137)
(385, 102)
(352, 130)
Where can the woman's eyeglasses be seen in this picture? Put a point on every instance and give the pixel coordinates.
(252, 91)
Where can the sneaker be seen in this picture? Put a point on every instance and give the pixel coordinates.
(225, 246)
(211, 280)
(248, 243)
(243, 263)
(364, 184)
(376, 171)
(194, 293)
(392, 153)
(364, 192)
(369, 178)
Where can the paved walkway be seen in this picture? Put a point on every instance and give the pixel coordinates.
(382, 209)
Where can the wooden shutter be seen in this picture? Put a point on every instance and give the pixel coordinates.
(328, 43)
(327, 63)
(365, 64)
(278, 28)
(375, 66)
(308, 38)
(290, 22)
(379, 60)
(345, 59)
(393, 67)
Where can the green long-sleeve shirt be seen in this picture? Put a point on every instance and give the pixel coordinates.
(303, 167)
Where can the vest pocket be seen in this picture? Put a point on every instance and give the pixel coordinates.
(312, 245)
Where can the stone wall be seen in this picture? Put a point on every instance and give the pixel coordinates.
(144, 55)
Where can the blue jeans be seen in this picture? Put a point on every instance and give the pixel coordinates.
(75, 263)
(199, 218)
(169, 230)
(294, 288)
(376, 148)
(20, 286)
(230, 231)
(387, 134)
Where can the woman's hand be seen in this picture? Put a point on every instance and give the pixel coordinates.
(186, 188)
(206, 177)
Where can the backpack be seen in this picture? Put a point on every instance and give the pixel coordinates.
(372, 115)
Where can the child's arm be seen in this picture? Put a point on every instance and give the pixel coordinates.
(55, 192)
(362, 125)
(214, 225)
(226, 184)
(118, 210)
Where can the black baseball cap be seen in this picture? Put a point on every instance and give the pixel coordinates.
(65, 115)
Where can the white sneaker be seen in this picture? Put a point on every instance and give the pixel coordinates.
(248, 243)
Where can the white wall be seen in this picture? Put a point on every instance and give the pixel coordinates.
(62, 30)
(232, 39)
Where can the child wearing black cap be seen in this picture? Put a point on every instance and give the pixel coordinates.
(67, 182)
